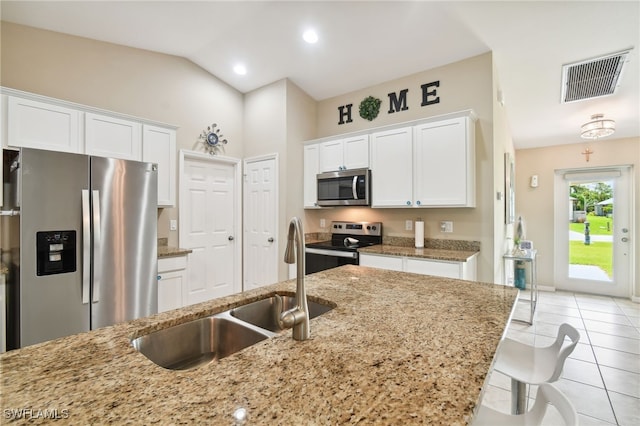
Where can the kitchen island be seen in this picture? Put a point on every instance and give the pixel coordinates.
(397, 348)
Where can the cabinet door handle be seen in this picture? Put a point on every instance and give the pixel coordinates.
(230, 237)
(418, 202)
(270, 239)
(408, 203)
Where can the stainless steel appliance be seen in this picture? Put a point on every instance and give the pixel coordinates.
(88, 244)
(342, 249)
(344, 188)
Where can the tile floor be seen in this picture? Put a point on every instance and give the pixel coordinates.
(602, 375)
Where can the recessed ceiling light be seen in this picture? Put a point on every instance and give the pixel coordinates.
(240, 69)
(310, 36)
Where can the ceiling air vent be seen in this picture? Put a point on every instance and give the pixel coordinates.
(592, 78)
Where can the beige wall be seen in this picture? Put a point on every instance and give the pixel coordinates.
(150, 85)
(536, 204)
(467, 84)
(278, 117)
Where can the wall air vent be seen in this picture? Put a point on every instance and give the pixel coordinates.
(592, 78)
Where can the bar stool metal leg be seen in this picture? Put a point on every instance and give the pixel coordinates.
(518, 397)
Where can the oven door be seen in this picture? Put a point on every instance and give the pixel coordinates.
(317, 260)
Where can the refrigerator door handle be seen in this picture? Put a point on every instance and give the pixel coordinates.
(86, 246)
(97, 270)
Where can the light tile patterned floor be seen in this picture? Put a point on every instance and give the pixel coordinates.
(602, 375)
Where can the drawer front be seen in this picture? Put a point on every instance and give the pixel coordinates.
(175, 263)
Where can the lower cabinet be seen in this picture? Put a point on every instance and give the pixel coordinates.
(172, 282)
(441, 268)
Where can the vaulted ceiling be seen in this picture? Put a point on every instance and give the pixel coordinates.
(363, 43)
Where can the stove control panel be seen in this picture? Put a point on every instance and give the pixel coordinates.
(357, 228)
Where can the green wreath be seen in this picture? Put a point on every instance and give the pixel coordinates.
(370, 107)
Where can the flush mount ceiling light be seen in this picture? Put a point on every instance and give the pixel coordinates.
(310, 36)
(240, 69)
(598, 127)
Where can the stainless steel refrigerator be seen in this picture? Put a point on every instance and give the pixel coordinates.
(88, 244)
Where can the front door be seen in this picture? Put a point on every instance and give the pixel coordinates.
(209, 225)
(593, 223)
(260, 221)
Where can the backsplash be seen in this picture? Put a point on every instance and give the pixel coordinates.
(433, 243)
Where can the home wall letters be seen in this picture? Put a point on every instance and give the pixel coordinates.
(397, 101)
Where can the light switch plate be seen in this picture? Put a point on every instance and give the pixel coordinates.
(173, 225)
(323, 223)
(446, 226)
(408, 225)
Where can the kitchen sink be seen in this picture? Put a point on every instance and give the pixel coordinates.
(264, 313)
(198, 342)
(192, 344)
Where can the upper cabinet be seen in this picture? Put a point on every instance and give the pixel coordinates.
(107, 136)
(159, 146)
(35, 121)
(391, 168)
(344, 154)
(311, 169)
(34, 124)
(444, 163)
(429, 164)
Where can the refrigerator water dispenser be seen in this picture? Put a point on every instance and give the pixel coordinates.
(56, 252)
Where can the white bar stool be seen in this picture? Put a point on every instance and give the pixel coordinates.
(547, 393)
(532, 365)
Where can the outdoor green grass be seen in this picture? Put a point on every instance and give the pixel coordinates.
(597, 225)
(597, 253)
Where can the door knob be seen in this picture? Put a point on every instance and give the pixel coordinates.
(270, 239)
(625, 239)
(230, 237)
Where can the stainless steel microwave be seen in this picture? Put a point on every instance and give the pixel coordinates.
(344, 188)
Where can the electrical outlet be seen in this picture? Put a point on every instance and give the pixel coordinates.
(446, 226)
(173, 225)
(323, 223)
(408, 225)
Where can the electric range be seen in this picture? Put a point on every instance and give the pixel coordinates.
(342, 249)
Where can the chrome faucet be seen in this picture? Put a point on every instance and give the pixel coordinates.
(298, 316)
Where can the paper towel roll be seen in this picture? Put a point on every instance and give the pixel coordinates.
(419, 228)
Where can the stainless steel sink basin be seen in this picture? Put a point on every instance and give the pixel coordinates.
(192, 344)
(263, 313)
(198, 342)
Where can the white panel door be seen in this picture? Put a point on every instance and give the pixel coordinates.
(33, 124)
(260, 222)
(209, 218)
(113, 137)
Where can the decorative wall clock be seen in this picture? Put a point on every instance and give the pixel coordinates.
(212, 139)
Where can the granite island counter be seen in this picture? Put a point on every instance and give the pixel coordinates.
(397, 348)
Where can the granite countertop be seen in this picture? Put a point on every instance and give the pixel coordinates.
(168, 251)
(425, 253)
(398, 348)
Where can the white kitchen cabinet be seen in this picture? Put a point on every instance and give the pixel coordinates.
(172, 282)
(311, 169)
(107, 136)
(344, 154)
(444, 163)
(35, 124)
(392, 263)
(391, 168)
(441, 268)
(159, 146)
(430, 164)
